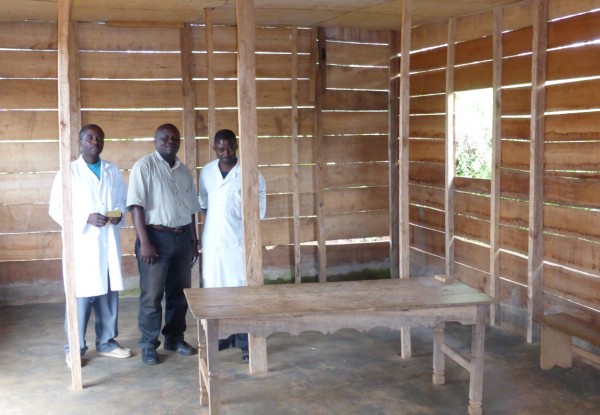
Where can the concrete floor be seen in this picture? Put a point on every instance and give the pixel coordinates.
(344, 373)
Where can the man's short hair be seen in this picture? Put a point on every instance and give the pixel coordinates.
(225, 134)
(89, 127)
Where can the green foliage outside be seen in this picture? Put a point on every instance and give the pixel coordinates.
(473, 131)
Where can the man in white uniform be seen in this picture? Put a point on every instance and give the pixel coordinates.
(97, 188)
(222, 237)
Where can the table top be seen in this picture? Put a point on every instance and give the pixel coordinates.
(333, 297)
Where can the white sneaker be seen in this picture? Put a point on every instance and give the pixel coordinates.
(118, 352)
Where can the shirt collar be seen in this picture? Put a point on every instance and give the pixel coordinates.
(177, 162)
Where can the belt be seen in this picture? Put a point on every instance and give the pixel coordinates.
(166, 229)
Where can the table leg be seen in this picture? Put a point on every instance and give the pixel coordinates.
(476, 378)
(212, 360)
(439, 361)
(202, 372)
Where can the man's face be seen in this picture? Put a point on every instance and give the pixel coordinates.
(92, 143)
(225, 151)
(167, 142)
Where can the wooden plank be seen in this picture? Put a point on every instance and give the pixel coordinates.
(355, 100)
(473, 277)
(280, 231)
(25, 188)
(472, 205)
(473, 76)
(430, 104)
(349, 149)
(357, 225)
(116, 65)
(366, 54)
(131, 124)
(427, 217)
(189, 113)
(450, 149)
(428, 59)
(28, 64)
(427, 240)
(32, 35)
(571, 252)
(354, 175)
(473, 185)
(271, 122)
(358, 255)
(281, 205)
(572, 156)
(431, 151)
(572, 127)
(295, 158)
(573, 96)
(354, 122)
(28, 125)
(28, 94)
(128, 94)
(515, 128)
(573, 285)
(515, 154)
(428, 126)
(516, 70)
(423, 264)
(573, 62)
(572, 222)
(429, 35)
(573, 326)
(515, 212)
(472, 228)
(576, 29)
(539, 76)
(26, 218)
(278, 150)
(514, 239)
(432, 82)
(356, 199)
(431, 174)
(42, 156)
(517, 42)
(572, 191)
(356, 34)
(426, 196)
(473, 26)
(474, 50)
(517, 16)
(101, 37)
(357, 77)
(279, 179)
(516, 101)
(513, 267)
(393, 151)
(473, 255)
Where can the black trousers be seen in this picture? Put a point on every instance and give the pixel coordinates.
(167, 278)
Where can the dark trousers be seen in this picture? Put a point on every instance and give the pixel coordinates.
(167, 278)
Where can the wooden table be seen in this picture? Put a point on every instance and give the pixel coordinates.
(361, 305)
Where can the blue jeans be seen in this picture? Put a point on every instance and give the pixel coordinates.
(167, 277)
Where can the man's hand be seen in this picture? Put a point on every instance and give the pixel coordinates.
(195, 252)
(116, 221)
(148, 253)
(96, 219)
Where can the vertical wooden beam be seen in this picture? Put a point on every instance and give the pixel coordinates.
(535, 261)
(319, 157)
(295, 169)
(210, 75)
(393, 166)
(69, 119)
(403, 199)
(246, 98)
(496, 158)
(189, 119)
(450, 147)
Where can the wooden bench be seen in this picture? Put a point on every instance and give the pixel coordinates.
(557, 346)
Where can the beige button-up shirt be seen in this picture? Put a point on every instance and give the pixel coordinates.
(167, 194)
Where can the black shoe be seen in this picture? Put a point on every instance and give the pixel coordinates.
(180, 347)
(245, 355)
(149, 355)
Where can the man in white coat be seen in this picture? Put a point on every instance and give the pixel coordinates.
(99, 196)
(222, 237)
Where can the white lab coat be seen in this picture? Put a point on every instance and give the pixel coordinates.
(97, 251)
(222, 237)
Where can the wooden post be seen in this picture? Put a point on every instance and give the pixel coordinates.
(394, 125)
(295, 170)
(450, 148)
(189, 120)
(496, 158)
(246, 96)
(69, 119)
(535, 263)
(319, 174)
(210, 75)
(403, 200)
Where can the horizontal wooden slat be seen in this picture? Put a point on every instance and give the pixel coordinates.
(357, 225)
(473, 255)
(28, 94)
(429, 59)
(573, 285)
(427, 126)
(513, 267)
(430, 104)
(354, 175)
(28, 125)
(514, 212)
(474, 50)
(517, 42)
(350, 149)
(427, 217)
(514, 184)
(358, 254)
(426, 196)
(473, 185)
(353, 200)
(517, 101)
(514, 239)
(25, 188)
(279, 179)
(573, 253)
(433, 82)
(575, 29)
(26, 218)
(280, 205)
(267, 66)
(515, 154)
(572, 191)
(356, 35)
(572, 221)
(32, 35)
(279, 150)
(428, 240)
(574, 62)
(109, 94)
(115, 65)
(472, 277)
(431, 174)
(271, 122)
(472, 228)
(28, 64)
(429, 35)
(515, 128)
(335, 123)
(472, 205)
(572, 127)
(356, 54)
(582, 95)
(101, 37)
(516, 70)
(474, 76)
(432, 151)
(424, 264)
(281, 231)
(357, 78)
(572, 156)
(29, 157)
(355, 100)
(131, 124)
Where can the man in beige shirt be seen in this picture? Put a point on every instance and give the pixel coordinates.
(163, 203)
